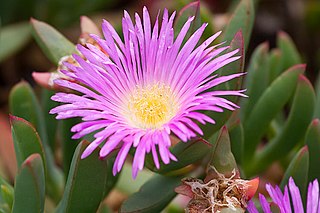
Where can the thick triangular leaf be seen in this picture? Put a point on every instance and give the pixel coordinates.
(294, 130)
(86, 183)
(256, 80)
(316, 113)
(237, 140)
(186, 153)
(49, 119)
(271, 101)
(241, 19)
(29, 193)
(69, 145)
(153, 196)
(111, 179)
(23, 103)
(191, 9)
(222, 158)
(127, 185)
(274, 61)
(312, 140)
(26, 140)
(52, 43)
(289, 54)
(298, 170)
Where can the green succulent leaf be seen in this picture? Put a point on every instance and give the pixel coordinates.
(13, 38)
(256, 80)
(69, 145)
(298, 170)
(86, 182)
(29, 193)
(312, 140)
(153, 196)
(289, 52)
(317, 107)
(271, 101)
(52, 43)
(112, 180)
(127, 185)
(50, 121)
(237, 140)
(186, 153)
(26, 140)
(237, 66)
(241, 19)
(274, 61)
(191, 9)
(295, 128)
(222, 158)
(23, 103)
(207, 17)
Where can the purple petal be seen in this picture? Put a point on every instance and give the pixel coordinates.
(276, 196)
(313, 197)
(121, 157)
(264, 204)
(251, 207)
(295, 196)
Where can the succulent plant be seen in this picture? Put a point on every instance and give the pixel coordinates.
(277, 125)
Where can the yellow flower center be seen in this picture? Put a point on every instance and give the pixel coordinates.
(150, 107)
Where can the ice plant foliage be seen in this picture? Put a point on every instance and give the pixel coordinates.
(137, 91)
(283, 202)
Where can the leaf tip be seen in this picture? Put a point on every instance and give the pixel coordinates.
(315, 122)
(31, 158)
(304, 80)
(265, 46)
(283, 34)
(224, 130)
(13, 118)
(304, 150)
(42, 78)
(301, 67)
(239, 35)
(33, 21)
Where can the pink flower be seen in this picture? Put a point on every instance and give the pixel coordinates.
(147, 87)
(283, 202)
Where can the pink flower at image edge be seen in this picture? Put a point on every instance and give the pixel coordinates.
(283, 201)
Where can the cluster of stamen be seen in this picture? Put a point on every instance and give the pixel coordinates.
(217, 194)
(151, 106)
